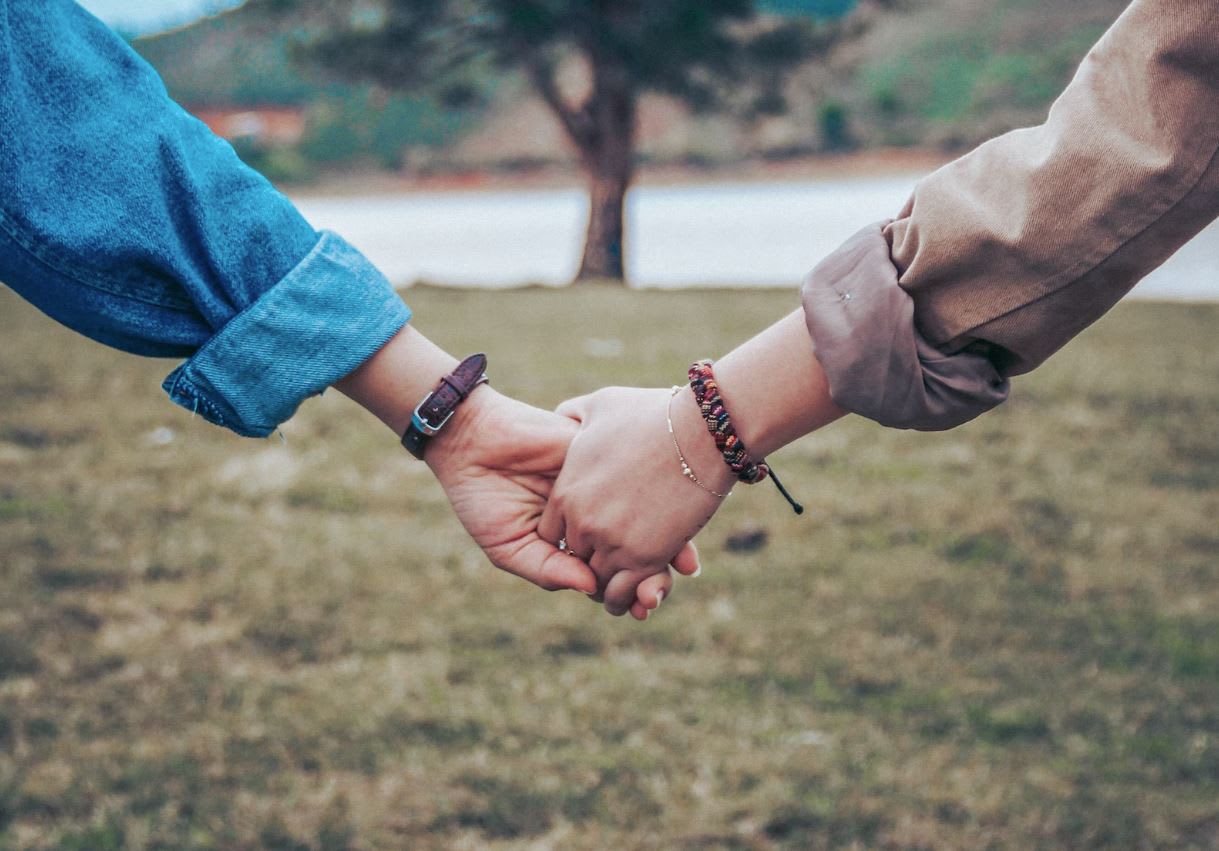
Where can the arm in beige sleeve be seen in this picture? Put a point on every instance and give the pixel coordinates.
(1004, 255)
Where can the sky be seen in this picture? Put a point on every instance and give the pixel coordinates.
(145, 16)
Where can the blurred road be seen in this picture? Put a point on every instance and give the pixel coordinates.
(729, 234)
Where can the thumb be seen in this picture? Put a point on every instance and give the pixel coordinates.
(549, 568)
(563, 572)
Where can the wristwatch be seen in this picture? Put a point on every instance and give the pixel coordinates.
(437, 408)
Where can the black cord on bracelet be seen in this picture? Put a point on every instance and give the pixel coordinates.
(796, 507)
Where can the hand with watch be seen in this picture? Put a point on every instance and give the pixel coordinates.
(496, 458)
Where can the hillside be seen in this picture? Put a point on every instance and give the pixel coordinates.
(227, 59)
(942, 73)
(956, 72)
(234, 59)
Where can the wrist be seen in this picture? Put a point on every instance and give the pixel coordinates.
(697, 445)
(462, 431)
(775, 389)
(398, 377)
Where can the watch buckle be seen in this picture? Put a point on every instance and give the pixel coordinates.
(423, 425)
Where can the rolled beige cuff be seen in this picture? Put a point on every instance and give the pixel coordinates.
(878, 365)
(1033, 236)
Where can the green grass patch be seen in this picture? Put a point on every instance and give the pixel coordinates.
(1001, 637)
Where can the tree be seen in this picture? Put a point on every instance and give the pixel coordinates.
(708, 53)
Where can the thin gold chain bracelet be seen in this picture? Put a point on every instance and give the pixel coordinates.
(685, 466)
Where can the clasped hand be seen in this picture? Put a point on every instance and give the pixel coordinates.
(601, 475)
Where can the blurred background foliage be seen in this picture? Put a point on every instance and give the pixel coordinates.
(944, 74)
(591, 65)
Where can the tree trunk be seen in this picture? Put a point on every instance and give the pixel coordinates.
(608, 154)
(602, 129)
(604, 245)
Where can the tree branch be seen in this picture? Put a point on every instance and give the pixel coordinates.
(575, 121)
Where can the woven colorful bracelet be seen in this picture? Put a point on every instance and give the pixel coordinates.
(719, 424)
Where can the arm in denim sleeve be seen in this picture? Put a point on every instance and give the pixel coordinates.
(1003, 256)
(126, 219)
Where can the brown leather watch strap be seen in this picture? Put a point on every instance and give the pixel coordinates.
(434, 412)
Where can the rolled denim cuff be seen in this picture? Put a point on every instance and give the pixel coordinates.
(878, 364)
(326, 317)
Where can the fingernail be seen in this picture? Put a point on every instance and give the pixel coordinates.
(696, 574)
(660, 598)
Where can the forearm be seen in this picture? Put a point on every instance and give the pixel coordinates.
(394, 380)
(774, 388)
(127, 220)
(1003, 256)
(633, 493)
(1033, 236)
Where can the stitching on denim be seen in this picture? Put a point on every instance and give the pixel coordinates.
(93, 281)
(320, 248)
(184, 389)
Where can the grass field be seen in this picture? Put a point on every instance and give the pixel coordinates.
(1002, 637)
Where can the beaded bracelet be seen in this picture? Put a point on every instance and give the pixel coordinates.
(719, 424)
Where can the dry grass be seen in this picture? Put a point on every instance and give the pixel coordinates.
(1002, 637)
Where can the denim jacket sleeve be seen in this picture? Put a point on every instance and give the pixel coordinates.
(124, 218)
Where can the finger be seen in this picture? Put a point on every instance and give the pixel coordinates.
(601, 567)
(541, 563)
(575, 409)
(553, 529)
(564, 572)
(620, 592)
(551, 525)
(639, 611)
(654, 590)
(599, 563)
(687, 562)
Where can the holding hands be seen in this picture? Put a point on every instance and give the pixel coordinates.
(605, 495)
(497, 463)
(521, 479)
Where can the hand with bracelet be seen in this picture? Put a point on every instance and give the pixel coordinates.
(495, 457)
(632, 493)
(224, 275)
(918, 323)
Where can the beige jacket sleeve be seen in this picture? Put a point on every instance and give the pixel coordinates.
(1004, 255)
